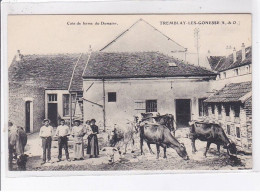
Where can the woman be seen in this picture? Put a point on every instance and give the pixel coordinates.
(77, 132)
(92, 149)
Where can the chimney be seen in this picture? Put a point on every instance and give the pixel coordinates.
(19, 56)
(234, 55)
(90, 49)
(208, 53)
(243, 48)
(228, 50)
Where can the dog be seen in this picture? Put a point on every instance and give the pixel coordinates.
(21, 162)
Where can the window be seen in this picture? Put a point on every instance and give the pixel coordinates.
(66, 105)
(236, 72)
(202, 107)
(238, 132)
(111, 96)
(212, 108)
(219, 109)
(227, 109)
(237, 110)
(151, 105)
(228, 129)
(224, 75)
(52, 97)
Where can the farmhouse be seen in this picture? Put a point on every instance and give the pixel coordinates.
(131, 75)
(118, 85)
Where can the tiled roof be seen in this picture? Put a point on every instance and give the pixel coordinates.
(231, 93)
(222, 63)
(47, 71)
(77, 80)
(139, 64)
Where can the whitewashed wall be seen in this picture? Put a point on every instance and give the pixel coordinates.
(131, 90)
(243, 76)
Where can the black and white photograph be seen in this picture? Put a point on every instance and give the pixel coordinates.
(152, 92)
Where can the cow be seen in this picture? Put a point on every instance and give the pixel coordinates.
(123, 134)
(166, 120)
(17, 140)
(211, 133)
(112, 153)
(161, 136)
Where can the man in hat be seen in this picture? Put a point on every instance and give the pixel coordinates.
(62, 133)
(46, 136)
(78, 131)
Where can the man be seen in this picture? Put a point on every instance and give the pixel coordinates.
(46, 136)
(62, 133)
(12, 131)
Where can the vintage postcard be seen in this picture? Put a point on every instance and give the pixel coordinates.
(129, 92)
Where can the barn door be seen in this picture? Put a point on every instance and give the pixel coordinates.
(27, 116)
(183, 112)
(53, 114)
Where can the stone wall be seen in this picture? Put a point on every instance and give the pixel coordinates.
(243, 122)
(18, 95)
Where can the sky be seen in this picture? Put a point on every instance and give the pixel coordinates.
(49, 34)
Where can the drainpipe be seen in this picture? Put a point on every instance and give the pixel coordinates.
(104, 104)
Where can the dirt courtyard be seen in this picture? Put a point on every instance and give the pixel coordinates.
(135, 161)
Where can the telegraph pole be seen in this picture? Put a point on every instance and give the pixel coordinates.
(196, 38)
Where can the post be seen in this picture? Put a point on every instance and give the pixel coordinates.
(104, 104)
(70, 111)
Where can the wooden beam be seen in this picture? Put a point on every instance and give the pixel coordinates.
(93, 102)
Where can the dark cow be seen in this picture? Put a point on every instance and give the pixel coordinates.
(161, 136)
(17, 139)
(211, 133)
(166, 120)
(123, 135)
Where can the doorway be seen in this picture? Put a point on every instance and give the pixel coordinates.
(183, 112)
(28, 117)
(53, 114)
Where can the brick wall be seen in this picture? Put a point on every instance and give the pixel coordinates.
(18, 95)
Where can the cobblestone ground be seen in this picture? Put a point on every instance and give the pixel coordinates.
(135, 161)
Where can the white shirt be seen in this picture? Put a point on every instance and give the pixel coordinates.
(62, 130)
(46, 131)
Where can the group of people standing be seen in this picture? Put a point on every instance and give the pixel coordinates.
(78, 131)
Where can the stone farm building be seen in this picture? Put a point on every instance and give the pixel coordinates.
(127, 77)
(231, 105)
(45, 86)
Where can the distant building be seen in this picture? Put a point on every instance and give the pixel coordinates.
(143, 37)
(233, 68)
(231, 104)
